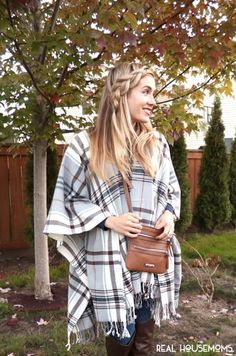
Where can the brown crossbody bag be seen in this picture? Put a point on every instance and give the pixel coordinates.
(146, 252)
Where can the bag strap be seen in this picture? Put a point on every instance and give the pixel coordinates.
(128, 200)
(127, 196)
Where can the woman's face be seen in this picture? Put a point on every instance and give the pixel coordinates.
(141, 100)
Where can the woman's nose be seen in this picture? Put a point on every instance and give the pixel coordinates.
(151, 100)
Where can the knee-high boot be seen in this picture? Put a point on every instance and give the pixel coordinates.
(143, 340)
(114, 348)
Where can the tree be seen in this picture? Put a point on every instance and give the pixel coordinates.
(52, 171)
(179, 158)
(232, 180)
(213, 208)
(55, 54)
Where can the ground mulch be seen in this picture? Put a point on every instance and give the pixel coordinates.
(27, 302)
(13, 261)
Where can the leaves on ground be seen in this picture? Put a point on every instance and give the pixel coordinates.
(42, 322)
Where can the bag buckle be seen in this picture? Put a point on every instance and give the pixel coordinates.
(149, 265)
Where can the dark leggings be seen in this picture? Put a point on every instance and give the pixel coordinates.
(143, 314)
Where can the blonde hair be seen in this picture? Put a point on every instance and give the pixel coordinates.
(115, 139)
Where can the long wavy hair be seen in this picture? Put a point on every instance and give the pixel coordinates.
(115, 138)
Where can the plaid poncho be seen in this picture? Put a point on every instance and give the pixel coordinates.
(102, 293)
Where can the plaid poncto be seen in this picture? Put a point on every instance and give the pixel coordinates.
(102, 293)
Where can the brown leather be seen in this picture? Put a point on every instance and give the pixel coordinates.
(114, 348)
(151, 232)
(147, 252)
(143, 340)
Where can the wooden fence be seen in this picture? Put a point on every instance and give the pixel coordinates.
(194, 163)
(13, 212)
(12, 208)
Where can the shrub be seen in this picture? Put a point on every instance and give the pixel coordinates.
(179, 158)
(232, 181)
(213, 208)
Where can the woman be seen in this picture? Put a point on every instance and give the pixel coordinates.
(89, 217)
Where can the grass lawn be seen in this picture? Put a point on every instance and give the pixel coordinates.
(222, 244)
(199, 322)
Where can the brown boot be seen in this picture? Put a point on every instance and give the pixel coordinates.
(142, 345)
(114, 348)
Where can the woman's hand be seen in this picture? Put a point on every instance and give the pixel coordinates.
(127, 224)
(166, 221)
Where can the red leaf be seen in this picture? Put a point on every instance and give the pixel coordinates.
(56, 125)
(101, 43)
(2, 275)
(161, 47)
(128, 37)
(55, 99)
(12, 322)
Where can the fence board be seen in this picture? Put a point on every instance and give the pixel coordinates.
(13, 212)
(194, 163)
(16, 196)
(5, 223)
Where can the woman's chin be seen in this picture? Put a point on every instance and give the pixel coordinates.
(142, 120)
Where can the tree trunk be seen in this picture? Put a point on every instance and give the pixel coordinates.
(42, 280)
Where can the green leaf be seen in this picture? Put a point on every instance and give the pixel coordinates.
(130, 19)
(4, 25)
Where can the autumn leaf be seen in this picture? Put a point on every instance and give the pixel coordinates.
(3, 300)
(130, 19)
(4, 290)
(101, 43)
(185, 301)
(13, 321)
(42, 322)
(54, 98)
(128, 37)
(227, 88)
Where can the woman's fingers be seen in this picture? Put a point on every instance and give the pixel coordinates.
(166, 221)
(132, 217)
(132, 232)
(167, 232)
(132, 229)
(127, 224)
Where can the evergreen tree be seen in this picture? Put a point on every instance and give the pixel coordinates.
(179, 158)
(232, 181)
(213, 208)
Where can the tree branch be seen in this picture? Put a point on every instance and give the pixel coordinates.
(82, 102)
(63, 75)
(190, 91)
(24, 63)
(85, 63)
(203, 275)
(172, 80)
(94, 59)
(52, 25)
(166, 69)
(102, 51)
(171, 17)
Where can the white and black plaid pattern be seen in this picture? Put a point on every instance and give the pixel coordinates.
(102, 292)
